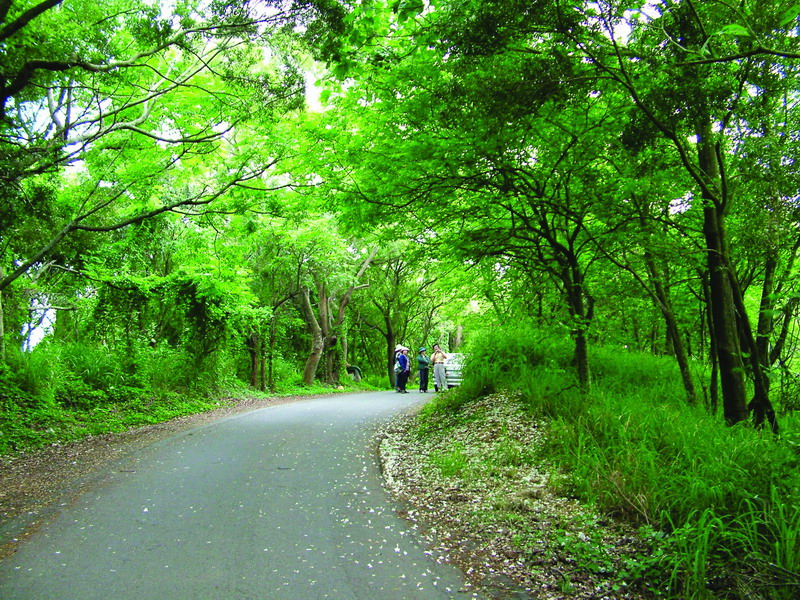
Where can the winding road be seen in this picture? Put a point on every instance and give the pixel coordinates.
(281, 503)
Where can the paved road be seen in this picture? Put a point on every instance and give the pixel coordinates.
(282, 503)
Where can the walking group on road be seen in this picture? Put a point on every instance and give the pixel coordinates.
(402, 369)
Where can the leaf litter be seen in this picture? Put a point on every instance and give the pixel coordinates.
(478, 487)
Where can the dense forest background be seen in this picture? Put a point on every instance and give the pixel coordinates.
(205, 199)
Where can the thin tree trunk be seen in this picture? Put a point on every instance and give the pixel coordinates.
(760, 405)
(390, 346)
(263, 362)
(582, 359)
(788, 318)
(273, 336)
(673, 332)
(723, 310)
(317, 340)
(637, 336)
(576, 298)
(712, 348)
(254, 349)
(2, 325)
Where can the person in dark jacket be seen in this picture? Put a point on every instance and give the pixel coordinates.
(404, 365)
(423, 364)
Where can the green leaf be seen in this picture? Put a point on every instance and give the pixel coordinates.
(790, 15)
(341, 70)
(409, 9)
(734, 29)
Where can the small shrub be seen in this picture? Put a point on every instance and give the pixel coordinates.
(38, 372)
(164, 369)
(502, 358)
(96, 366)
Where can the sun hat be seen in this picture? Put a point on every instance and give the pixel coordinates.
(400, 348)
(422, 349)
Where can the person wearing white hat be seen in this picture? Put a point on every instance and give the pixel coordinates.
(403, 370)
(397, 350)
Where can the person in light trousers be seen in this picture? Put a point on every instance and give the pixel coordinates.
(439, 378)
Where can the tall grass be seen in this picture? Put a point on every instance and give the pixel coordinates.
(726, 498)
(519, 358)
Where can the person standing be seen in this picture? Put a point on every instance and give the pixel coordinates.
(439, 378)
(404, 364)
(397, 351)
(423, 364)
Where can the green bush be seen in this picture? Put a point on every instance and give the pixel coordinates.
(96, 366)
(36, 373)
(505, 357)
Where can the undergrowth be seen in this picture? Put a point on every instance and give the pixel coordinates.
(721, 505)
(62, 393)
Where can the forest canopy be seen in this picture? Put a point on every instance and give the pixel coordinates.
(301, 185)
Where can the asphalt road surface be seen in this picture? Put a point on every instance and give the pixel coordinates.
(282, 503)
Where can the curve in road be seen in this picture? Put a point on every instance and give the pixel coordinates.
(282, 503)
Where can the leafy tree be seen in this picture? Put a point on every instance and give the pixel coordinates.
(403, 302)
(691, 74)
(130, 117)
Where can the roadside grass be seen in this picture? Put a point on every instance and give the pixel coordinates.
(717, 507)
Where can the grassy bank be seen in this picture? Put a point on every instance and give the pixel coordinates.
(718, 506)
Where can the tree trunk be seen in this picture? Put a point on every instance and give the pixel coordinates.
(273, 336)
(760, 404)
(723, 310)
(332, 362)
(788, 319)
(254, 349)
(766, 306)
(390, 346)
(2, 326)
(581, 316)
(673, 332)
(582, 359)
(713, 400)
(332, 324)
(262, 385)
(637, 337)
(731, 322)
(317, 339)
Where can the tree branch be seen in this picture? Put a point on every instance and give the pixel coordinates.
(734, 57)
(25, 18)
